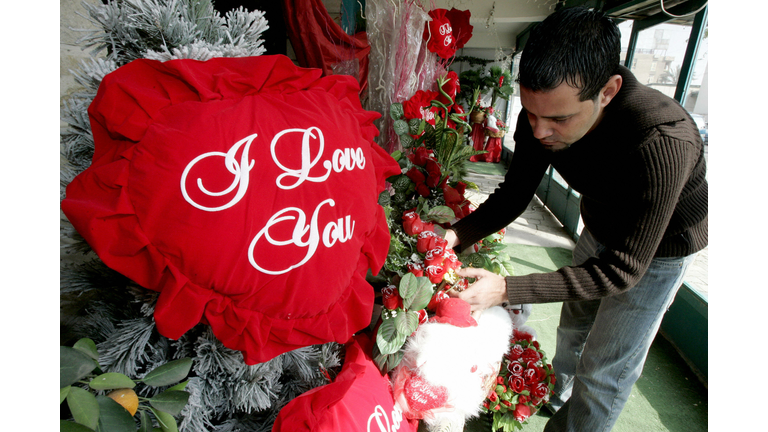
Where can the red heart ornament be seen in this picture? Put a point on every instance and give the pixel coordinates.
(245, 191)
(423, 396)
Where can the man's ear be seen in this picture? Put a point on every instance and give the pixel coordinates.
(610, 90)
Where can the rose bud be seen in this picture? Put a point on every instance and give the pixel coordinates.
(516, 352)
(434, 257)
(461, 285)
(391, 297)
(413, 225)
(530, 355)
(416, 268)
(515, 369)
(435, 273)
(439, 296)
(516, 384)
(427, 240)
(522, 412)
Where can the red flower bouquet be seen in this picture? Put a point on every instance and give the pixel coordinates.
(525, 383)
(448, 31)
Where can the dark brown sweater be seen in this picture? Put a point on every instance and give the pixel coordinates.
(641, 176)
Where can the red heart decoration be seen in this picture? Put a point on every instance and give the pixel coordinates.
(245, 191)
(423, 396)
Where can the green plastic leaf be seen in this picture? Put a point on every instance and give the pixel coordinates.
(63, 393)
(113, 417)
(406, 141)
(111, 381)
(167, 422)
(388, 339)
(416, 126)
(509, 268)
(421, 298)
(396, 155)
(146, 422)
(384, 198)
(396, 111)
(87, 347)
(169, 373)
(400, 127)
(409, 285)
(73, 366)
(440, 214)
(170, 401)
(69, 426)
(84, 407)
(180, 386)
(406, 322)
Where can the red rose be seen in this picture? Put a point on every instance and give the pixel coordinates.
(493, 397)
(515, 369)
(530, 354)
(540, 391)
(434, 257)
(452, 195)
(416, 268)
(533, 375)
(439, 296)
(521, 335)
(506, 403)
(419, 106)
(423, 316)
(516, 383)
(416, 175)
(435, 273)
(515, 352)
(501, 80)
(433, 173)
(461, 285)
(420, 156)
(523, 398)
(427, 240)
(450, 85)
(391, 298)
(423, 190)
(413, 225)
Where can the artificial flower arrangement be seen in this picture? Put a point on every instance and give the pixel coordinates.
(422, 201)
(524, 384)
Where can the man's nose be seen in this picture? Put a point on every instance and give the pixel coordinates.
(541, 129)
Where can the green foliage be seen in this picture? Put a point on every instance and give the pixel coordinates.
(91, 410)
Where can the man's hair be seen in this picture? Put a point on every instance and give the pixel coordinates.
(578, 46)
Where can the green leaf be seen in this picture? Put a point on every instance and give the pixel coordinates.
(509, 268)
(169, 373)
(87, 347)
(394, 359)
(407, 141)
(146, 422)
(409, 285)
(400, 127)
(167, 422)
(63, 393)
(73, 366)
(68, 426)
(83, 406)
(421, 298)
(396, 111)
(415, 126)
(384, 198)
(440, 214)
(396, 155)
(170, 401)
(110, 381)
(388, 339)
(113, 417)
(180, 386)
(406, 322)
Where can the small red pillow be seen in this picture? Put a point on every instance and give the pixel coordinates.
(245, 191)
(360, 399)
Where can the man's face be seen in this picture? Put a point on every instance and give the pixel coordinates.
(558, 118)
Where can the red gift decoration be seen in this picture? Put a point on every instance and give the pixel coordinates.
(360, 399)
(245, 191)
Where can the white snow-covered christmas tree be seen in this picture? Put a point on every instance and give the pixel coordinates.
(99, 303)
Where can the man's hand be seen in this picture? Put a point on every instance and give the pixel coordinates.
(451, 238)
(487, 291)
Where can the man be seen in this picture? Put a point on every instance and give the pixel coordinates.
(637, 159)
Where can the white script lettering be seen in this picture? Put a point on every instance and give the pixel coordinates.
(341, 231)
(384, 426)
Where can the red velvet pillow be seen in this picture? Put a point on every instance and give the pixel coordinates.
(360, 399)
(245, 191)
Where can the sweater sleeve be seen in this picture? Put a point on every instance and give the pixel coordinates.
(639, 224)
(510, 199)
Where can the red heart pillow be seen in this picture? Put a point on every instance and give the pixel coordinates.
(360, 399)
(245, 191)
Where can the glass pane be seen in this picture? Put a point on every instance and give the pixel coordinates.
(658, 57)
